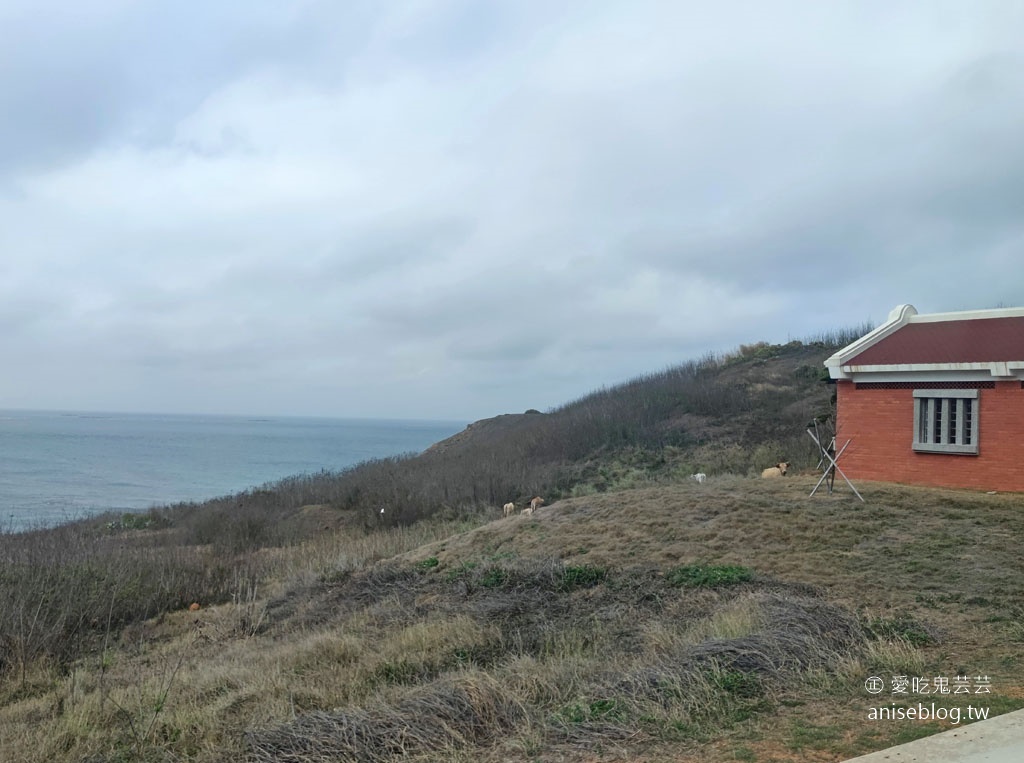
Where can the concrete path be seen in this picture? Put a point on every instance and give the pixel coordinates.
(997, 740)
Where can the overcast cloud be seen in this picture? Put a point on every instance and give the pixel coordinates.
(454, 209)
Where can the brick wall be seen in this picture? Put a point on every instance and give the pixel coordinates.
(880, 425)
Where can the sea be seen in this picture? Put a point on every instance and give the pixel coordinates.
(59, 466)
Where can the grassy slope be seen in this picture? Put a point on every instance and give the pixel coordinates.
(481, 642)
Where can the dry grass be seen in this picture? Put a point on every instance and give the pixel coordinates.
(430, 722)
(561, 636)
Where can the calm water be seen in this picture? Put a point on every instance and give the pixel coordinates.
(60, 466)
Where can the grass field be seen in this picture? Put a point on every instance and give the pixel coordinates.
(735, 620)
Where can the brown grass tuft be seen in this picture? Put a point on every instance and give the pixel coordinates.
(468, 711)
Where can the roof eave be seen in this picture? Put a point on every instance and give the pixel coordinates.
(997, 370)
(899, 316)
(970, 315)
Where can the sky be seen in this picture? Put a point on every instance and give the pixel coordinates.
(453, 209)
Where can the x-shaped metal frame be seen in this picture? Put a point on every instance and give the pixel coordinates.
(833, 465)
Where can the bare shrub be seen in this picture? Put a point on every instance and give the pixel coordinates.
(62, 589)
(448, 715)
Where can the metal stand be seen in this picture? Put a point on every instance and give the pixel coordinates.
(824, 428)
(828, 460)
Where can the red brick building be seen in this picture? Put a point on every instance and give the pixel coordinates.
(934, 400)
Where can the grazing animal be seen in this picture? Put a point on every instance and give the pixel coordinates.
(509, 509)
(527, 510)
(698, 477)
(778, 470)
(193, 607)
(535, 503)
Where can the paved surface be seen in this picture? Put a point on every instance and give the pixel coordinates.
(997, 740)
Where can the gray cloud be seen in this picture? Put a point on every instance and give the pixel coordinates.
(448, 208)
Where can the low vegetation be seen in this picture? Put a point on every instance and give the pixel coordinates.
(734, 620)
(696, 575)
(639, 615)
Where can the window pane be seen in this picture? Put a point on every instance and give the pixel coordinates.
(954, 405)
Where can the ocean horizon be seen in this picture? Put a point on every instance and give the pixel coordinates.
(59, 466)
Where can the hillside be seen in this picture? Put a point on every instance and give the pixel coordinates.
(734, 620)
(638, 616)
(747, 404)
(733, 414)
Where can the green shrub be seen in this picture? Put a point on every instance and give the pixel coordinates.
(740, 684)
(461, 571)
(582, 576)
(708, 576)
(494, 577)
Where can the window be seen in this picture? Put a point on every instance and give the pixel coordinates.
(946, 421)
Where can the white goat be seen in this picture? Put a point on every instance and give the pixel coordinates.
(779, 470)
(509, 509)
(698, 477)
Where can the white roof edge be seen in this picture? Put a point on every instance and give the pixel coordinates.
(899, 316)
(970, 315)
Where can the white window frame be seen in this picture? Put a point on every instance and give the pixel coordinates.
(935, 410)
